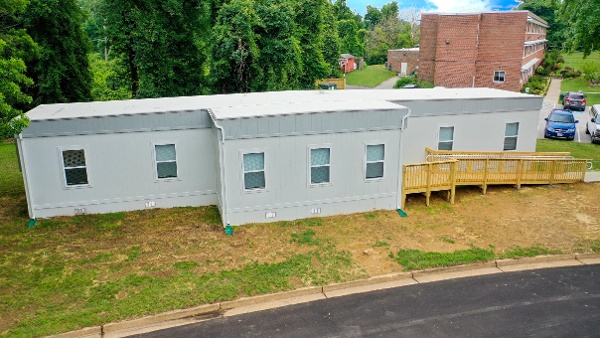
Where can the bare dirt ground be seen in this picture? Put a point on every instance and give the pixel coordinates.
(563, 218)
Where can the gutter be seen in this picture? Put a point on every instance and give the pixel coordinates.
(221, 144)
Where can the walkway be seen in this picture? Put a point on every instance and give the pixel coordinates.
(388, 84)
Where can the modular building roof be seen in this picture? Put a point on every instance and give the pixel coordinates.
(231, 106)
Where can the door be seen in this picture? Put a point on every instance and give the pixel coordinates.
(403, 68)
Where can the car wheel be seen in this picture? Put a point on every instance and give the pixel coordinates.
(587, 131)
(545, 135)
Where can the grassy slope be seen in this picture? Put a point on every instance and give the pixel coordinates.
(576, 60)
(578, 150)
(370, 76)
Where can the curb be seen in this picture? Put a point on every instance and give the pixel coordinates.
(168, 319)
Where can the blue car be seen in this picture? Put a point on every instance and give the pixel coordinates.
(560, 124)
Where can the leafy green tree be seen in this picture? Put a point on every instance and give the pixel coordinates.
(390, 11)
(109, 80)
(372, 17)
(309, 32)
(331, 42)
(61, 73)
(236, 51)
(161, 42)
(15, 48)
(584, 24)
(388, 34)
(547, 10)
(349, 38)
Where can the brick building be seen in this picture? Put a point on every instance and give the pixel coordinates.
(403, 61)
(489, 49)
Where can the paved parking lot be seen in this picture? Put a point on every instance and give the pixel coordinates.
(550, 102)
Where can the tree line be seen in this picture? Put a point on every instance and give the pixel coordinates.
(54, 51)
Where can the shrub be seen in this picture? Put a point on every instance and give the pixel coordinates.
(404, 81)
(542, 71)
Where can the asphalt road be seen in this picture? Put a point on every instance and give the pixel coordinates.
(558, 302)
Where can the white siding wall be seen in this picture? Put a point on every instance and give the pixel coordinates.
(475, 132)
(288, 193)
(121, 172)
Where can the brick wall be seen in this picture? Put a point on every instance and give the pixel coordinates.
(468, 48)
(427, 47)
(397, 56)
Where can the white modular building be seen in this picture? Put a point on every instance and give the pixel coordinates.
(259, 157)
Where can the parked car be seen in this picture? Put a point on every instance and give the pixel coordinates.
(574, 101)
(560, 123)
(593, 125)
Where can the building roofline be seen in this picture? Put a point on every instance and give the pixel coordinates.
(530, 14)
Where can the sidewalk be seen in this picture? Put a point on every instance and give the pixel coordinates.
(388, 84)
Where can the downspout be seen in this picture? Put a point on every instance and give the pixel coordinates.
(24, 167)
(400, 152)
(221, 167)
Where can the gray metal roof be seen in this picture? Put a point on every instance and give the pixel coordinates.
(250, 104)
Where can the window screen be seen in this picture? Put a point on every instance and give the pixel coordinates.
(446, 138)
(375, 158)
(319, 165)
(510, 136)
(75, 167)
(254, 171)
(166, 161)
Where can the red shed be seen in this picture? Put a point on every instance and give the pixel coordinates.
(347, 62)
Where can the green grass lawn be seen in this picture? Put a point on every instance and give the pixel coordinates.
(370, 76)
(577, 150)
(575, 60)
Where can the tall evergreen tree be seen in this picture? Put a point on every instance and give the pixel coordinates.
(61, 73)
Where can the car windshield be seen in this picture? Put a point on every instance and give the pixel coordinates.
(576, 96)
(561, 118)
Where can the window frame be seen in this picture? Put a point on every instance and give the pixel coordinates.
(155, 161)
(503, 76)
(451, 141)
(310, 166)
(366, 161)
(516, 137)
(243, 170)
(61, 151)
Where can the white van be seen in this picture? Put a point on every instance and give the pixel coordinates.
(593, 125)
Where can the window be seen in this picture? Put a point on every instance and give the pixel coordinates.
(320, 163)
(510, 136)
(375, 158)
(75, 167)
(446, 138)
(166, 161)
(254, 171)
(499, 76)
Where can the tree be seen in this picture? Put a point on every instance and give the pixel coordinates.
(161, 42)
(61, 73)
(584, 28)
(15, 47)
(390, 11)
(236, 52)
(349, 38)
(373, 17)
(547, 9)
